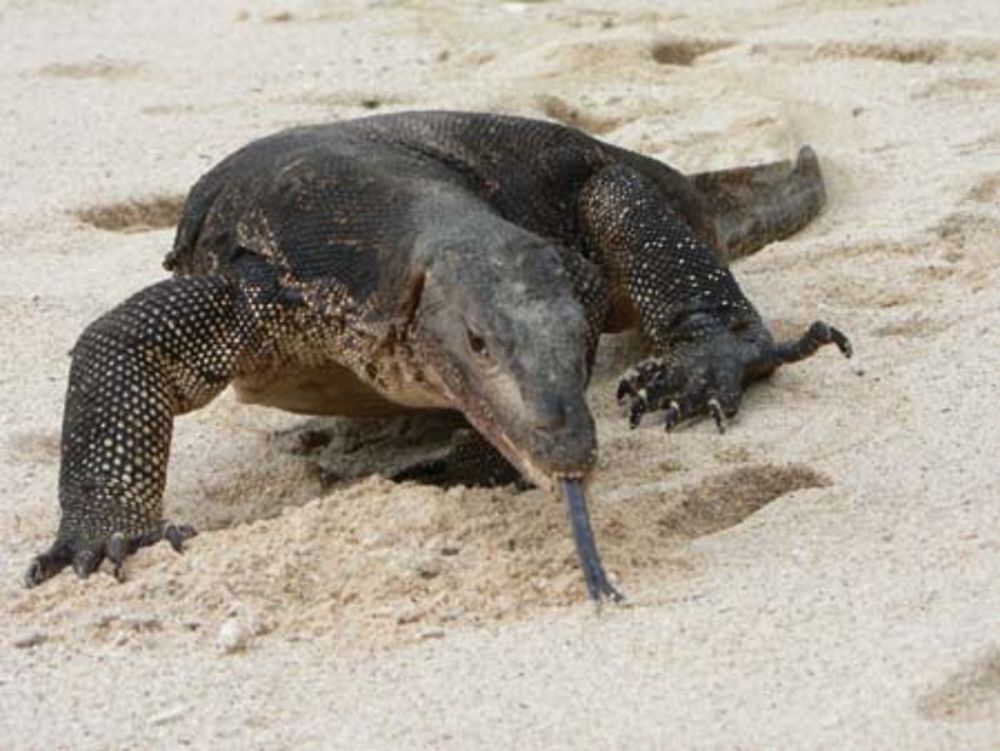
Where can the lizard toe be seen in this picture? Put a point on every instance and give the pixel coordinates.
(685, 405)
(723, 400)
(86, 561)
(178, 534)
(117, 549)
(649, 386)
(717, 413)
(46, 565)
(817, 336)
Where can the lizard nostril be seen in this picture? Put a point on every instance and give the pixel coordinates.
(550, 414)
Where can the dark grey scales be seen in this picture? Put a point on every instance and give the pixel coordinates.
(427, 260)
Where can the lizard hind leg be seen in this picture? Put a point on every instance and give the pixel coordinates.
(753, 206)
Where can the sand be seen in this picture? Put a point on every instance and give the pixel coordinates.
(824, 575)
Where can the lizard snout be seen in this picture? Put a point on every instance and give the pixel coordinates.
(550, 414)
(562, 438)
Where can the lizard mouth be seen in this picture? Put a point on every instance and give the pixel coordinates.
(481, 416)
(483, 421)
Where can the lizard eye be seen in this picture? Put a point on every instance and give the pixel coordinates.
(478, 347)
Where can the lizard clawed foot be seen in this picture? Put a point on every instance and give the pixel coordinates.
(712, 388)
(86, 556)
(706, 375)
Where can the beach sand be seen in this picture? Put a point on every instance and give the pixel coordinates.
(824, 575)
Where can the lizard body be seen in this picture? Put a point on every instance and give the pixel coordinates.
(427, 260)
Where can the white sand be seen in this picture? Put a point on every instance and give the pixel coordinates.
(822, 576)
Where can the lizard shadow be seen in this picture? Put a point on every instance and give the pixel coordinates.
(340, 450)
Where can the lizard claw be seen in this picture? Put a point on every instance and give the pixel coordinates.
(637, 409)
(48, 564)
(86, 557)
(86, 561)
(672, 416)
(117, 549)
(715, 409)
(625, 389)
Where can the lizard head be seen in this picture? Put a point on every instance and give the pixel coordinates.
(497, 327)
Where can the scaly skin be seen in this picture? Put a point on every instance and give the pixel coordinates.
(426, 260)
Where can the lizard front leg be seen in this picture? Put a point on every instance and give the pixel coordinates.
(167, 350)
(709, 339)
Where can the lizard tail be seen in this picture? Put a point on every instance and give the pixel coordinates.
(752, 206)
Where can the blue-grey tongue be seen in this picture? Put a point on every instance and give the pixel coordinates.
(593, 570)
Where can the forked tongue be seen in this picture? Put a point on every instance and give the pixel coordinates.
(593, 571)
